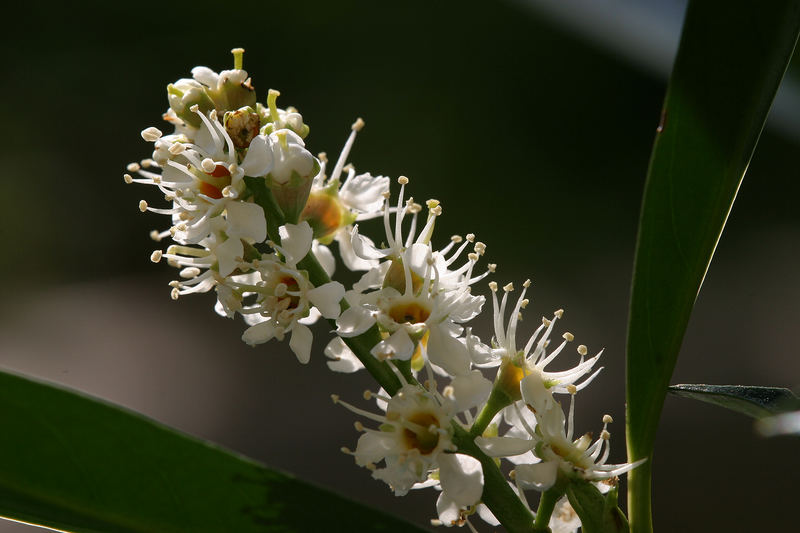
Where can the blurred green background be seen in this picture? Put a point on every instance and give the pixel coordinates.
(534, 133)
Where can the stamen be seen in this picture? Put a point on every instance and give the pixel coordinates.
(151, 134)
(237, 58)
(142, 206)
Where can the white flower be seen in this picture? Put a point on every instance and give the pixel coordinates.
(415, 439)
(285, 297)
(533, 357)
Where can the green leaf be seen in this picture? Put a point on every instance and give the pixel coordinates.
(731, 59)
(77, 464)
(599, 513)
(758, 402)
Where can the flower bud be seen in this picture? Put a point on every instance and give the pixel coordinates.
(292, 174)
(185, 93)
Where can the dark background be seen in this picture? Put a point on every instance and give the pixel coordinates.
(532, 135)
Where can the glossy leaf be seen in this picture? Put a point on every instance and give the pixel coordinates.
(730, 61)
(75, 463)
(598, 512)
(758, 402)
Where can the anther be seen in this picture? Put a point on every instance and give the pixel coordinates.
(213, 114)
(607, 419)
(358, 425)
(357, 125)
(456, 238)
(155, 257)
(177, 148)
(195, 108)
(345, 449)
(335, 398)
(471, 237)
(142, 206)
(493, 286)
(524, 303)
(208, 165)
(151, 134)
(559, 313)
(546, 322)
(509, 287)
(492, 267)
(480, 248)
(133, 167)
(402, 180)
(605, 435)
(174, 284)
(386, 194)
(155, 235)
(472, 256)
(367, 394)
(323, 157)
(582, 349)
(175, 294)
(572, 389)
(128, 178)
(567, 336)
(527, 283)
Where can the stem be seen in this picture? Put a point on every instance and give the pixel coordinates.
(498, 399)
(547, 503)
(497, 493)
(639, 497)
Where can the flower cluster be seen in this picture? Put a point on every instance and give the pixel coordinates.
(253, 214)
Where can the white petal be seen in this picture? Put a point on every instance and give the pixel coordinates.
(399, 346)
(348, 255)
(258, 161)
(296, 241)
(246, 220)
(229, 254)
(326, 298)
(363, 247)
(462, 478)
(206, 76)
(445, 351)
(535, 393)
(540, 475)
(487, 515)
(448, 510)
(373, 446)
(504, 446)
(373, 279)
(470, 390)
(364, 193)
(300, 343)
(564, 518)
(354, 321)
(313, 316)
(343, 358)
(258, 334)
(325, 257)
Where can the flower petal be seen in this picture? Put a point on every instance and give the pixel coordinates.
(259, 334)
(258, 161)
(470, 390)
(229, 254)
(326, 298)
(462, 478)
(398, 346)
(296, 241)
(540, 476)
(300, 343)
(504, 446)
(354, 321)
(246, 220)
